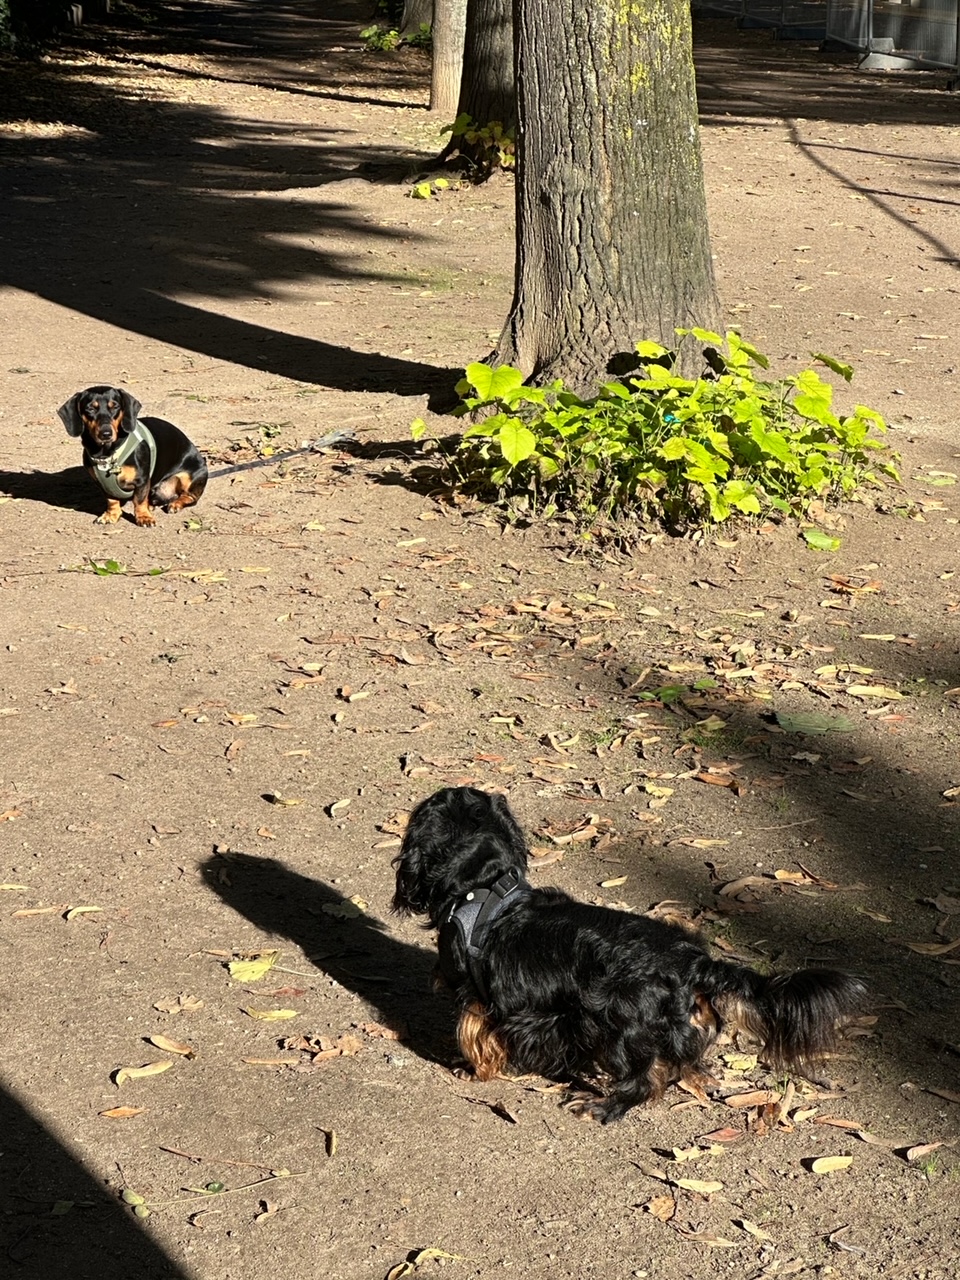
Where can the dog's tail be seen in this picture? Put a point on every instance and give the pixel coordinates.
(795, 1016)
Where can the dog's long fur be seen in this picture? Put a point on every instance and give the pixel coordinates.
(578, 991)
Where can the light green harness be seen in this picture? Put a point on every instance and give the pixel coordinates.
(106, 470)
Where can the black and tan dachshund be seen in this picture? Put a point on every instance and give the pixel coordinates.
(576, 992)
(146, 459)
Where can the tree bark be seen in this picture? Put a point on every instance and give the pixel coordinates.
(488, 89)
(612, 238)
(416, 13)
(449, 26)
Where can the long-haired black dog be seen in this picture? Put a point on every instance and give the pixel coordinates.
(571, 991)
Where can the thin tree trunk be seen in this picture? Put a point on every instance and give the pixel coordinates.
(612, 239)
(488, 90)
(449, 26)
(416, 14)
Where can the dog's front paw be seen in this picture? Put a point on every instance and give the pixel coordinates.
(586, 1106)
(110, 516)
(145, 518)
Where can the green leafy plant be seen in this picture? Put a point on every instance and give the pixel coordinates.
(380, 38)
(422, 38)
(486, 147)
(385, 39)
(690, 451)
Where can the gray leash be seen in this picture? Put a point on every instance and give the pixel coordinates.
(332, 438)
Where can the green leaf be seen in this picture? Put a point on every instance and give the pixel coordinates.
(820, 541)
(673, 450)
(516, 442)
(417, 429)
(773, 443)
(493, 384)
(743, 496)
(701, 335)
(650, 350)
(845, 370)
(422, 191)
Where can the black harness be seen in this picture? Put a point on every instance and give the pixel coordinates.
(463, 932)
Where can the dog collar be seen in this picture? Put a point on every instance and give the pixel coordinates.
(107, 469)
(468, 922)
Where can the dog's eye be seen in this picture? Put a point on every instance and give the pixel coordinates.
(112, 405)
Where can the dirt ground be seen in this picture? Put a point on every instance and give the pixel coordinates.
(212, 730)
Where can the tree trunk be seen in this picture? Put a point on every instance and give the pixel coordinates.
(488, 90)
(449, 26)
(416, 13)
(612, 238)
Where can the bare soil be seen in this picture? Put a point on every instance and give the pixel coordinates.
(210, 209)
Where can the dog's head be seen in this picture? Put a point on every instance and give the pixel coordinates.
(106, 414)
(457, 839)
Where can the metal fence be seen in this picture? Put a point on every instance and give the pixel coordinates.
(790, 19)
(898, 34)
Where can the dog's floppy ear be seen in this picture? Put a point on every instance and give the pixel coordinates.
(131, 407)
(408, 898)
(70, 415)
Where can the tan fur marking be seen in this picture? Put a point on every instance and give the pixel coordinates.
(142, 513)
(479, 1043)
(185, 498)
(660, 1075)
(112, 513)
(704, 1015)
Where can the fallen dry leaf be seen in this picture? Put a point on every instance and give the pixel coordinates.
(253, 966)
(830, 1164)
(179, 1004)
(949, 1094)
(379, 1031)
(80, 911)
(872, 691)
(923, 1149)
(662, 1208)
(124, 1074)
(755, 1098)
(122, 1113)
(706, 1237)
(172, 1046)
(751, 1228)
(722, 1135)
(270, 1015)
(921, 948)
(701, 1188)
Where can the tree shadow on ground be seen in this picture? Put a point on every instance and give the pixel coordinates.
(357, 951)
(56, 1219)
(275, 44)
(855, 810)
(143, 212)
(746, 75)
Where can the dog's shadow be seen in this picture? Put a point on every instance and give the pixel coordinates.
(72, 489)
(356, 950)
